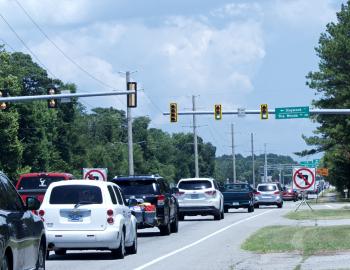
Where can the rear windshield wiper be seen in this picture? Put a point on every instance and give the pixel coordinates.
(82, 203)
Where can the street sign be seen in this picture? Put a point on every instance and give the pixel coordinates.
(309, 164)
(292, 112)
(95, 174)
(322, 171)
(304, 178)
(241, 112)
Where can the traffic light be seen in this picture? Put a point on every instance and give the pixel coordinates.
(173, 112)
(3, 105)
(132, 98)
(264, 112)
(52, 103)
(217, 112)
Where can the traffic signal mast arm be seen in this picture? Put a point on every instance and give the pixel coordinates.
(312, 111)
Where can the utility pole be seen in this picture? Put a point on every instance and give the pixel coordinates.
(233, 155)
(253, 160)
(265, 166)
(130, 142)
(195, 138)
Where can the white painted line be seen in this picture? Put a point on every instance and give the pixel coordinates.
(198, 241)
(329, 206)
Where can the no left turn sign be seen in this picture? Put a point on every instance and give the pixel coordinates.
(95, 174)
(304, 178)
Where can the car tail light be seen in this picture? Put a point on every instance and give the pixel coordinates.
(160, 199)
(180, 193)
(110, 220)
(257, 193)
(211, 192)
(276, 192)
(150, 208)
(110, 212)
(41, 213)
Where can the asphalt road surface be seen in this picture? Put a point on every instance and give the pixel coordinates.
(201, 243)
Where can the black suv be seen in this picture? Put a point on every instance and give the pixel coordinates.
(22, 233)
(153, 193)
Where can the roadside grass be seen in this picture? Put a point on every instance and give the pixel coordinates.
(302, 239)
(343, 213)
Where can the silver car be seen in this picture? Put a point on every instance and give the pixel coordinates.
(268, 194)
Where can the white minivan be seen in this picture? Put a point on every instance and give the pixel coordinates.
(84, 214)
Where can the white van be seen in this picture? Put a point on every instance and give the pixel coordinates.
(82, 214)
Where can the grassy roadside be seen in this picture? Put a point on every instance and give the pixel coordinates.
(343, 213)
(306, 240)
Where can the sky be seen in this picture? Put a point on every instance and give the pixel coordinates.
(236, 53)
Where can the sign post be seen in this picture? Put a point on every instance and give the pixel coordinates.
(304, 179)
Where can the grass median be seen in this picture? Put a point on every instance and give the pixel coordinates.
(343, 213)
(305, 240)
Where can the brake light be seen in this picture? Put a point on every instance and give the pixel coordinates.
(110, 220)
(150, 208)
(160, 199)
(276, 192)
(110, 212)
(211, 192)
(180, 193)
(41, 213)
(257, 193)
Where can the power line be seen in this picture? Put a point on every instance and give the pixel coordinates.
(25, 45)
(7, 44)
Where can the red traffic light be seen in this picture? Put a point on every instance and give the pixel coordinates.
(264, 112)
(173, 112)
(217, 111)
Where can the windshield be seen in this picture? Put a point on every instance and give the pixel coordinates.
(77, 194)
(38, 182)
(137, 187)
(267, 188)
(237, 187)
(192, 185)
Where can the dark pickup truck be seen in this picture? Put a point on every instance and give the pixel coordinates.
(238, 196)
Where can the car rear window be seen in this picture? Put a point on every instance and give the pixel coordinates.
(38, 182)
(141, 187)
(267, 188)
(70, 194)
(192, 185)
(236, 187)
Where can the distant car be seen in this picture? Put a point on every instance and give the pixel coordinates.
(200, 196)
(22, 234)
(289, 194)
(36, 184)
(153, 192)
(83, 214)
(268, 194)
(238, 196)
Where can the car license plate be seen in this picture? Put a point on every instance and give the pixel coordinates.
(266, 197)
(235, 203)
(194, 196)
(75, 218)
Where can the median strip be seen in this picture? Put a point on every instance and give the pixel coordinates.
(325, 214)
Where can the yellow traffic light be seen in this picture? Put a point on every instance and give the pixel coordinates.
(264, 112)
(173, 112)
(132, 98)
(3, 105)
(52, 103)
(217, 112)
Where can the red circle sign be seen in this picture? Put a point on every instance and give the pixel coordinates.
(89, 174)
(299, 174)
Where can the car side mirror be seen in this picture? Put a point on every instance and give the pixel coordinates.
(32, 203)
(174, 190)
(133, 202)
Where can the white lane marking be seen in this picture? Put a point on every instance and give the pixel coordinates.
(329, 206)
(198, 241)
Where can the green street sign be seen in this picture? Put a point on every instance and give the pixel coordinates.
(308, 164)
(292, 112)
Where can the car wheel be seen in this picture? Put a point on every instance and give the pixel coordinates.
(5, 263)
(222, 214)
(60, 251)
(217, 216)
(279, 205)
(250, 209)
(132, 249)
(165, 229)
(119, 253)
(256, 206)
(226, 209)
(40, 262)
(181, 217)
(174, 226)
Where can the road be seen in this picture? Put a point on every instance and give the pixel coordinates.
(201, 243)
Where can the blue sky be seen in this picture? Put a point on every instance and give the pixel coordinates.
(235, 53)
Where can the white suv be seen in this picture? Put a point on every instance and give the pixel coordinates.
(200, 196)
(83, 214)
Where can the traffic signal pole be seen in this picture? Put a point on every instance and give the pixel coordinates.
(130, 139)
(195, 138)
(233, 155)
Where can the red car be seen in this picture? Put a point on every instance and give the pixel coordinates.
(36, 184)
(289, 194)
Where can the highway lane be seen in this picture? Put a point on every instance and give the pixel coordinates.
(201, 243)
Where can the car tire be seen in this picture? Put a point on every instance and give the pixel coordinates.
(165, 229)
(174, 226)
(256, 206)
(279, 205)
(217, 216)
(119, 253)
(250, 209)
(226, 209)
(222, 214)
(60, 251)
(132, 249)
(181, 217)
(5, 265)
(40, 262)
